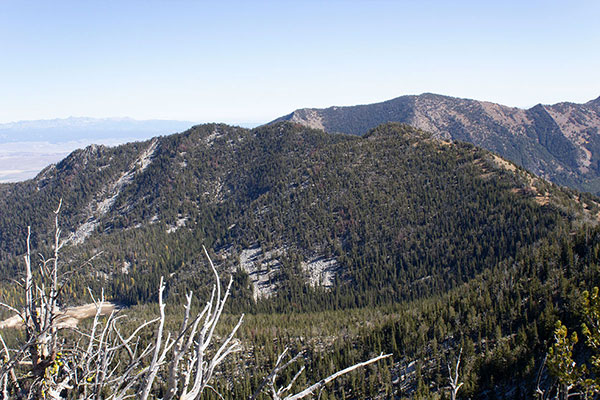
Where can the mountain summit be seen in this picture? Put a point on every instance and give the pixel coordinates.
(559, 142)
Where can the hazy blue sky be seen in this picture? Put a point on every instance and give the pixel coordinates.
(253, 61)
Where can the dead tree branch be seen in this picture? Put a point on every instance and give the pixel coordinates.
(453, 378)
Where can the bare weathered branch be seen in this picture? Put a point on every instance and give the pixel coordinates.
(453, 378)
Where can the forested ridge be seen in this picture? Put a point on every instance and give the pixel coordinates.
(432, 246)
(559, 142)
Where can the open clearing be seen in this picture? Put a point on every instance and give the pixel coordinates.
(68, 318)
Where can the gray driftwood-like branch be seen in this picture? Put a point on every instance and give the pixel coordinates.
(41, 322)
(282, 393)
(453, 377)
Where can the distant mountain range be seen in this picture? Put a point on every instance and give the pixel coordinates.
(559, 142)
(26, 147)
(81, 128)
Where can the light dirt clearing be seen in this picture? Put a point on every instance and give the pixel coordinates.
(68, 318)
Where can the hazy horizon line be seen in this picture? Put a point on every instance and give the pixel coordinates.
(248, 122)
